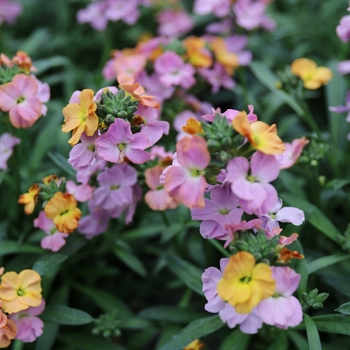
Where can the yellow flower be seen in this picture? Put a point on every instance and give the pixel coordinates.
(195, 345)
(80, 117)
(244, 283)
(29, 198)
(193, 126)
(312, 76)
(62, 209)
(197, 54)
(261, 136)
(228, 59)
(20, 291)
(8, 330)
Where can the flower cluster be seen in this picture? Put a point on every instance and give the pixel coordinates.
(20, 303)
(22, 95)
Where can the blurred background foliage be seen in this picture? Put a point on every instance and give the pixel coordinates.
(146, 276)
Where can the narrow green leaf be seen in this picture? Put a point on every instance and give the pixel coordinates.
(194, 330)
(187, 273)
(344, 309)
(62, 163)
(137, 323)
(237, 340)
(267, 78)
(312, 333)
(106, 301)
(280, 342)
(171, 231)
(325, 261)
(337, 184)
(129, 259)
(143, 232)
(313, 215)
(10, 247)
(298, 340)
(65, 315)
(169, 313)
(51, 62)
(300, 266)
(48, 262)
(47, 339)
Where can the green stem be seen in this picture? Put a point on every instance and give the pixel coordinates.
(165, 218)
(217, 245)
(309, 119)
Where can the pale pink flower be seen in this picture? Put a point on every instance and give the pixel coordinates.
(7, 142)
(127, 11)
(29, 327)
(219, 8)
(95, 15)
(43, 94)
(184, 180)
(343, 29)
(217, 77)
(344, 67)
(9, 11)
(19, 98)
(174, 23)
(291, 153)
(54, 240)
(82, 193)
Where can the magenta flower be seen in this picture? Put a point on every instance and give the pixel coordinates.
(29, 327)
(54, 240)
(115, 186)
(119, 142)
(343, 29)
(82, 193)
(83, 153)
(217, 77)
(9, 11)
(173, 71)
(250, 182)
(84, 175)
(184, 180)
(7, 142)
(292, 152)
(19, 98)
(174, 23)
(282, 310)
(221, 210)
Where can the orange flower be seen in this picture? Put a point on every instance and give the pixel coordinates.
(136, 91)
(193, 126)
(228, 59)
(197, 53)
(62, 209)
(81, 117)
(195, 345)
(47, 179)
(244, 283)
(29, 198)
(8, 330)
(261, 136)
(21, 59)
(285, 255)
(312, 76)
(20, 291)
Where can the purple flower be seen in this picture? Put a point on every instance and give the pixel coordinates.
(7, 142)
(95, 15)
(343, 29)
(174, 23)
(217, 77)
(221, 210)
(282, 309)
(250, 182)
(9, 11)
(119, 142)
(29, 327)
(84, 175)
(127, 11)
(342, 109)
(344, 67)
(219, 8)
(82, 193)
(173, 71)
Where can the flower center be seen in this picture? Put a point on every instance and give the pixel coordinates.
(195, 172)
(114, 187)
(121, 146)
(64, 212)
(245, 279)
(251, 178)
(224, 211)
(21, 99)
(20, 292)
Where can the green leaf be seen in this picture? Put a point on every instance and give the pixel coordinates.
(137, 323)
(47, 339)
(333, 323)
(11, 247)
(325, 261)
(169, 313)
(194, 330)
(344, 309)
(299, 341)
(171, 231)
(312, 333)
(51, 62)
(314, 216)
(300, 266)
(237, 340)
(106, 301)
(65, 315)
(280, 342)
(48, 262)
(187, 273)
(62, 163)
(337, 184)
(129, 259)
(267, 78)
(143, 232)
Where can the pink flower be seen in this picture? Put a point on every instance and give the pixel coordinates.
(7, 142)
(343, 29)
(84, 175)
(157, 198)
(54, 240)
(9, 11)
(95, 14)
(127, 11)
(118, 142)
(221, 210)
(344, 67)
(29, 327)
(172, 70)
(256, 195)
(82, 193)
(43, 94)
(19, 98)
(184, 180)
(291, 153)
(181, 120)
(217, 77)
(219, 8)
(282, 309)
(174, 23)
